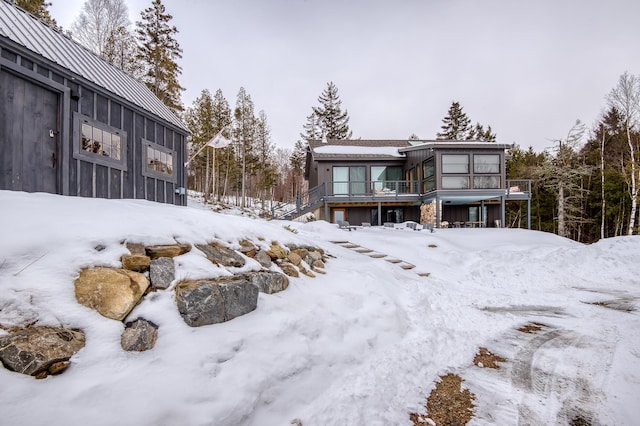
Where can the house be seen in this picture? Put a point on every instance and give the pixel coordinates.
(72, 124)
(443, 183)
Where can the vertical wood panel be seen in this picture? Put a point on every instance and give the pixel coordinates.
(115, 118)
(127, 126)
(102, 109)
(86, 102)
(8, 144)
(102, 181)
(150, 133)
(159, 191)
(137, 154)
(115, 183)
(151, 189)
(85, 179)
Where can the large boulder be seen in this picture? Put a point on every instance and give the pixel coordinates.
(268, 281)
(111, 292)
(162, 272)
(167, 250)
(221, 255)
(204, 302)
(39, 351)
(139, 335)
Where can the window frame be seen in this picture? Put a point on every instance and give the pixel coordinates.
(478, 165)
(445, 164)
(157, 174)
(104, 160)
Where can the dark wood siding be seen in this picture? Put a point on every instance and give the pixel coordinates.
(29, 134)
(40, 149)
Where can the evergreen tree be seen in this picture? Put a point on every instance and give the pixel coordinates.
(158, 51)
(244, 134)
(312, 128)
(456, 125)
(121, 49)
(333, 121)
(39, 9)
(414, 137)
(267, 173)
(297, 161)
(98, 20)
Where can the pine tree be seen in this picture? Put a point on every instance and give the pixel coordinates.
(312, 128)
(158, 51)
(267, 173)
(121, 49)
(456, 125)
(244, 134)
(39, 9)
(332, 120)
(98, 20)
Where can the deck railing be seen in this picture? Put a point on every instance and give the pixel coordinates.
(389, 188)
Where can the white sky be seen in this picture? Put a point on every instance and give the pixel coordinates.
(528, 69)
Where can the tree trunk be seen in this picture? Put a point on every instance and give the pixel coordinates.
(604, 201)
(633, 190)
(561, 213)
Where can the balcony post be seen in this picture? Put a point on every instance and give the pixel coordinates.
(502, 212)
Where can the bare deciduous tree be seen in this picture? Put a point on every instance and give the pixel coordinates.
(626, 99)
(98, 20)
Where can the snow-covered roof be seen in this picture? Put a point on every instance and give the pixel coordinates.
(390, 151)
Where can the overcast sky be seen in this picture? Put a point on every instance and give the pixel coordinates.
(527, 68)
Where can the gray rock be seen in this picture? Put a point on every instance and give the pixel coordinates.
(40, 351)
(139, 335)
(263, 258)
(204, 302)
(221, 255)
(268, 281)
(162, 272)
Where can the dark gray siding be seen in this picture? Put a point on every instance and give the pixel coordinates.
(29, 86)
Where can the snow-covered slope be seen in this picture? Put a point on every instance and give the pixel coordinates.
(362, 344)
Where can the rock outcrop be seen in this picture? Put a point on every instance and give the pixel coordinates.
(111, 292)
(268, 282)
(40, 351)
(221, 255)
(204, 302)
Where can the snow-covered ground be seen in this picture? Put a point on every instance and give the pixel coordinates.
(361, 345)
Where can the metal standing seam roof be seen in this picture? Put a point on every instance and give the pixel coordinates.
(26, 30)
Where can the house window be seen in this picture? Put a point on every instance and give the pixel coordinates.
(486, 182)
(486, 163)
(455, 163)
(386, 177)
(349, 180)
(99, 143)
(428, 168)
(455, 182)
(159, 161)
